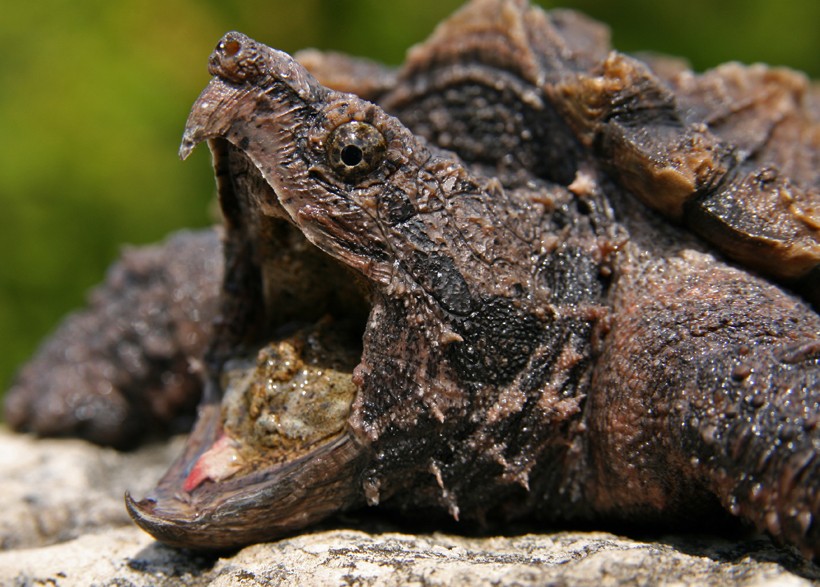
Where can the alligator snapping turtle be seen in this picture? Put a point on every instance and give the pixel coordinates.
(521, 276)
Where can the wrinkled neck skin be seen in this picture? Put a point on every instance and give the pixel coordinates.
(474, 362)
(483, 307)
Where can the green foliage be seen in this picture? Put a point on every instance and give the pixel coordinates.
(94, 95)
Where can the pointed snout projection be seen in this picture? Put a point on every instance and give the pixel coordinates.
(242, 69)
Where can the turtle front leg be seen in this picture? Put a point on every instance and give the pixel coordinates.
(707, 391)
(125, 366)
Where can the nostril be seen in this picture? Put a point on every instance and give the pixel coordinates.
(231, 47)
(236, 59)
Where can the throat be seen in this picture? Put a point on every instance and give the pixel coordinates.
(295, 393)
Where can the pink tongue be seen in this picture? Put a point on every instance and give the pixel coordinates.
(217, 463)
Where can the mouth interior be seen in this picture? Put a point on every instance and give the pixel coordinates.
(287, 378)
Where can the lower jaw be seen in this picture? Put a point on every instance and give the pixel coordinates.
(269, 455)
(265, 505)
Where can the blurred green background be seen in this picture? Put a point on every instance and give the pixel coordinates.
(94, 95)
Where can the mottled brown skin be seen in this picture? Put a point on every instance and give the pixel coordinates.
(540, 340)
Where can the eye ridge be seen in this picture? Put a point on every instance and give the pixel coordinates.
(355, 149)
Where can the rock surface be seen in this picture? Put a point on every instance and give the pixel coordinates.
(63, 523)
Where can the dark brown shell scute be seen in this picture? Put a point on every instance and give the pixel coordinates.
(730, 153)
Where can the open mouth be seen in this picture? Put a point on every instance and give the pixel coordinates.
(301, 174)
(294, 318)
(286, 376)
(271, 451)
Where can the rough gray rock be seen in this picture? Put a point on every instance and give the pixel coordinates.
(56, 490)
(63, 524)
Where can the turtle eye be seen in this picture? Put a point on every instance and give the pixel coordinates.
(355, 149)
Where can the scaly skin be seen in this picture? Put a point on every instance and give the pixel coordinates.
(537, 341)
(535, 349)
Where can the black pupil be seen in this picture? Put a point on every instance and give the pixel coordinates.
(352, 155)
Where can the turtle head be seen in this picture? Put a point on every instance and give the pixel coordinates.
(346, 246)
(322, 160)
